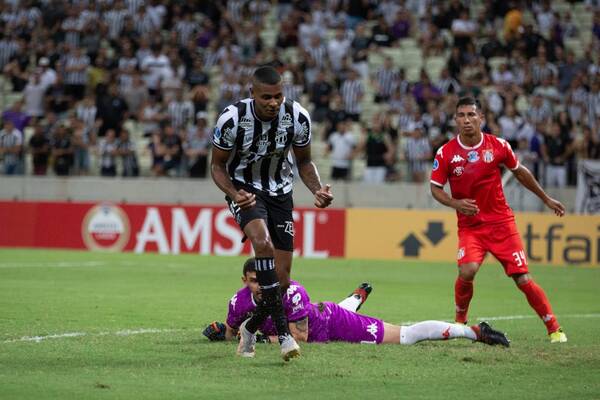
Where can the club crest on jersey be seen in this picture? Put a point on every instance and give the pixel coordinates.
(246, 123)
(488, 156)
(458, 171)
(436, 164)
(456, 159)
(281, 137)
(286, 121)
(217, 133)
(473, 156)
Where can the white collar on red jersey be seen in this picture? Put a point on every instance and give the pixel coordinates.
(467, 147)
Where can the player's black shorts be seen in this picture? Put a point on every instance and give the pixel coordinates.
(276, 211)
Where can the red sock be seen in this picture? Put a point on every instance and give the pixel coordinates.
(539, 302)
(463, 292)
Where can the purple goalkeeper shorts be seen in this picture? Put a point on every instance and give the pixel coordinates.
(348, 326)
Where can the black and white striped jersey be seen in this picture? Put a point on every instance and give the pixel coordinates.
(260, 150)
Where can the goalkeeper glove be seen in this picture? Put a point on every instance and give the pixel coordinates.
(215, 331)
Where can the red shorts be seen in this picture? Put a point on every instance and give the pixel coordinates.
(502, 240)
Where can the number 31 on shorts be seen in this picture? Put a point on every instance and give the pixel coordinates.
(520, 258)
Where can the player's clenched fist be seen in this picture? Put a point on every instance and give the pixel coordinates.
(467, 206)
(323, 196)
(244, 199)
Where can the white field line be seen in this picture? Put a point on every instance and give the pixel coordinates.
(124, 332)
(130, 332)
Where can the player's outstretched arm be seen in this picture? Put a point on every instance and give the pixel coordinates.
(218, 171)
(526, 178)
(310, 176)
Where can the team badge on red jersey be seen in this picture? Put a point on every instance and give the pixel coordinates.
(458, 171)
(488, 156)
(473, 156)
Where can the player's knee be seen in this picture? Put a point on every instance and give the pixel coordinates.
(521, 279)
(467, 273)
(263, 247)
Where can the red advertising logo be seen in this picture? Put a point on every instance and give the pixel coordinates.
(105, 227)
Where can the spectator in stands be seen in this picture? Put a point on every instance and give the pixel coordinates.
(378, 150)
(33, 96)
(172, 152)
(197, 147)
(75, 68)
(360, 47)
(384, 81)
(554, 152)
(81, 142)
(341, 147)
(11, 147)
(320, 96)
(417, 152)
(401, 26)
(15, 114)
(352, 92)
(107, 149)
(62, 150)
(127, 154)
(39, 147)
(112, 109)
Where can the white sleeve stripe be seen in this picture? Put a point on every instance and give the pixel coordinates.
(221, 147)
(516, 166)
(436, 183)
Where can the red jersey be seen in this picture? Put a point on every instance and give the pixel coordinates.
(474, 173)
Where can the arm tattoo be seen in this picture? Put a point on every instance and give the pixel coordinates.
(302, 325)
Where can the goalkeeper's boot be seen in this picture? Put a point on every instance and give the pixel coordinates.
(558, 336)
(289, 348)
(247, 341)
(362, 292)
(486, 334)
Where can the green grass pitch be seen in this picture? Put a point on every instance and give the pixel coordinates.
(135, 322)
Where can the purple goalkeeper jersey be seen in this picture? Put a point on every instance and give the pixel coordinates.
(326, 321)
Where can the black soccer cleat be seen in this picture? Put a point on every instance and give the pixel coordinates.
(490, 336)
(362, 291)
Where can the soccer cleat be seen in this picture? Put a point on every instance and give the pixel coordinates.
(490, 336)
(362, 291)
(289, 348)
(247, 342)
(558, 336)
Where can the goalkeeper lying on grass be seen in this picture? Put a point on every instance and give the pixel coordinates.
(326, 321)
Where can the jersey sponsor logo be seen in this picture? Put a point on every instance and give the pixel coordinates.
(458, 171)
(304, 134)
(436, 164)
(288, 227)
(286, 121)
(456, 159)
(263, 142)
(473, 156)
(488, 156)
(372, 329)
(461, 253)
(233, 301)
(281, 136)
(246, 123)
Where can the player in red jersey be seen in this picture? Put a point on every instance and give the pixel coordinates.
(471, 164)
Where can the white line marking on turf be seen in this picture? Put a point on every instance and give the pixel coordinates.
(124, 332)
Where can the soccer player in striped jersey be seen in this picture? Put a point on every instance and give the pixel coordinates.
(255, 143)
(471, 164)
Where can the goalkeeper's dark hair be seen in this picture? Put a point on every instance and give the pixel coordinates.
(249, 266)
(267, 75)
(469, 101)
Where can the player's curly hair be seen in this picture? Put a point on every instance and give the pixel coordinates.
(249, 266)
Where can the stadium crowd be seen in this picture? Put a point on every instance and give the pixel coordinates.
(130, 87)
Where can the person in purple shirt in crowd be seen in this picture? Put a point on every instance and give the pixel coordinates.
(326, 321)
